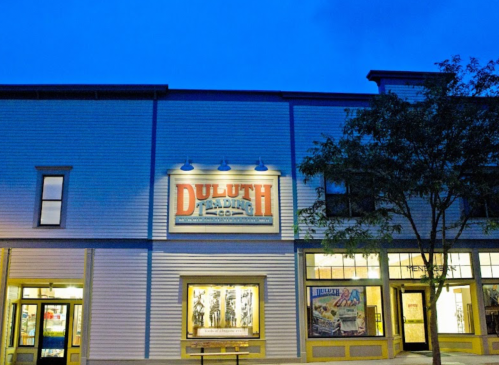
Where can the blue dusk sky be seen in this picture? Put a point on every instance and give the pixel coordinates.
(306, 45)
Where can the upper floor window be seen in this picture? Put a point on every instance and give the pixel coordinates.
(51, 203)
(346, 201)
(488, 208)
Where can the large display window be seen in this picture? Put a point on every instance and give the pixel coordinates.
(345, 311)
(223, 311)
(455, 311)
(491, 300)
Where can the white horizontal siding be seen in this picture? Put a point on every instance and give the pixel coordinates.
(47, 263)
(172, 259)
(118, 310)
(108, 144)
(206, 131)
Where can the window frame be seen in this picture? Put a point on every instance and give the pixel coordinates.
(345, 198)
(308, 290)
(42, 173)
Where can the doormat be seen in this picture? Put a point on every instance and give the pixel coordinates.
(428, 353)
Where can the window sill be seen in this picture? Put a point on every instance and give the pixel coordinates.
(49, 227)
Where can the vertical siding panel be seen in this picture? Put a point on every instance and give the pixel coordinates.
(108, 143)
(170, 260)
(47, 263)
(118, 314)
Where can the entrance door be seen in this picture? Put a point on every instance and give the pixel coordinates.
(414, 321)
(53, 343)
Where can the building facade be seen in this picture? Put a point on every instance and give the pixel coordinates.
(137, 220)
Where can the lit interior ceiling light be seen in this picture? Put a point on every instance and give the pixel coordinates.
(187, 165)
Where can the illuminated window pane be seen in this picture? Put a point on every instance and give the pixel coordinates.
(455, 314)
(77, 321)
(395, 273)
(350, 262)
(27, 330)
(53, 293)
(52, 187)
(494, 258)
(349, 272)
(219, 311)
(362, 273)
(337, 273)
(51, 213)
(312, 272)
(484, 258)
(486, 271)
(495, 271)
(324, 273)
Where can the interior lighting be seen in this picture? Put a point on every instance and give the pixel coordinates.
(223, 166)
(261, 166)
(372, 274)
(187, 165)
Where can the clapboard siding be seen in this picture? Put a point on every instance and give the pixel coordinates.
(172, 259)
(118, 310)
(310, 123)
(206, 131)
(47, 263)
(406, 92)
(108, 144)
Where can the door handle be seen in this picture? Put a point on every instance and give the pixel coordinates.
(403, 319)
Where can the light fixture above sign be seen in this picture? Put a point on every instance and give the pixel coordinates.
(224, 166)
(187, 165)
(261, 166)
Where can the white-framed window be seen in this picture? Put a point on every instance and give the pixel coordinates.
(51, 196)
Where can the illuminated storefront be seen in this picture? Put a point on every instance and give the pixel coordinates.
(144, 220)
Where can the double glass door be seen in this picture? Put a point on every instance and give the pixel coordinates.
(53, 342)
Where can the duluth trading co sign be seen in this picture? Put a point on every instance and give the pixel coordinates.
(235, 202)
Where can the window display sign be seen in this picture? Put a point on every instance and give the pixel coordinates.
(491, 300)
(338, 311)
(223, 311)
(234, 202)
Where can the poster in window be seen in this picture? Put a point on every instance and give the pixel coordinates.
(338, 311)
(491, 295)
(491, 300)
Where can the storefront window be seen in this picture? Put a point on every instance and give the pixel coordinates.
(222, 311)
(338, 266)
(345, 311)
(77, 318)
(491, 300)
(489, 264)
(455, 313)
(411, 265)
(53, 293)
(28, 325)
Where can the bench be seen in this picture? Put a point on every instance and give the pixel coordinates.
(223, 345)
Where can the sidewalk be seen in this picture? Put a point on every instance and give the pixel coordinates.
(410, 358)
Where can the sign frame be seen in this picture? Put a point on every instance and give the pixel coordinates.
(269, 224)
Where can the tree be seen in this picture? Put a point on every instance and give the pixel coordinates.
(442, 149)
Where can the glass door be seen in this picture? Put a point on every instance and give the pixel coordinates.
(414, 321)
(53, 334)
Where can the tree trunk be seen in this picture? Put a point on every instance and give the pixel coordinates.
(435, 346)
